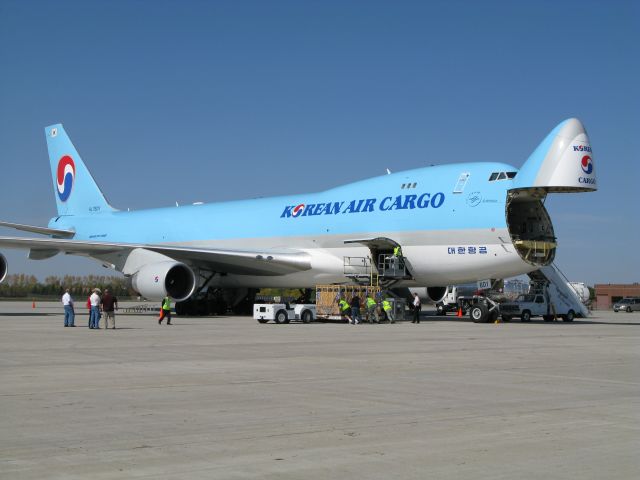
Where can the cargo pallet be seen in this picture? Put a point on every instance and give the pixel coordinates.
(327, 297)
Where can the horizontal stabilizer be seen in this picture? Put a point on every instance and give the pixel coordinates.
(41, 230)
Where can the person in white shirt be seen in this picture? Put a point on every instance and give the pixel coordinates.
(69, 313)
(417, 306)
(94, 299)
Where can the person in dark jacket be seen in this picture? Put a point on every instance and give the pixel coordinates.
(109, 302)
(355, 308)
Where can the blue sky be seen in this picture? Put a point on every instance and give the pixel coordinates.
(206, 101)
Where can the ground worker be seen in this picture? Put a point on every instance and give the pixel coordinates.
(372, 309)
(388, 309)
(355, 308)
(345, 310)
(417, 306)
(165, 311)
(396, 259)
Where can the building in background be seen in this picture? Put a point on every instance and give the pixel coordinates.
(609, 293)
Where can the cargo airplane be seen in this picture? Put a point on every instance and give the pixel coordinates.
(455, 223)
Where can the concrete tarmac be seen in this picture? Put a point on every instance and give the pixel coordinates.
(228, 398)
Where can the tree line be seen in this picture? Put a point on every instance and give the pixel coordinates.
(20, 285)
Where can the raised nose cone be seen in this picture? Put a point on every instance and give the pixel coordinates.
(563, 162)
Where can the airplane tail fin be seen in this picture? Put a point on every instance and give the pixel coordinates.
(75, 189)
(563, 162)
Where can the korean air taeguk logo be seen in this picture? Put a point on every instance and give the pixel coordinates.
(587, 165)
(65, 177)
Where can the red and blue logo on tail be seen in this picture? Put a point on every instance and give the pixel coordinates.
(65, 177)
(587, 164)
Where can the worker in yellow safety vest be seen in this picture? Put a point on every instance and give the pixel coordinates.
(345, 310)
(372, 309)
(388, 309)
(165, 310)
(396, 260)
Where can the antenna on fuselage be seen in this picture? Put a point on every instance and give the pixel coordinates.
(388, 172)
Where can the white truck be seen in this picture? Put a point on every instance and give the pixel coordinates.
(284, 313)
(535, 305)
(550, 296)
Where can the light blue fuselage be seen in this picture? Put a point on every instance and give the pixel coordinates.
(417, 208)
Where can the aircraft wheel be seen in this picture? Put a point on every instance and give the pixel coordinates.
(479, 313)
(281, 317)
(569, 316)
(440, 310)
(526, 316)
(493, 315)
(307, 316)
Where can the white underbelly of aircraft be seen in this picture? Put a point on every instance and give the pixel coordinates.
(451, 261)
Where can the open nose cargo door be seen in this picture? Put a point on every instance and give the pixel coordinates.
(562, 163)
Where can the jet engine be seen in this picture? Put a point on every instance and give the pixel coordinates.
(157, 280)
(4, 267)
(436, 293)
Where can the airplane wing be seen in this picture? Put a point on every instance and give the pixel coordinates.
(266, 262)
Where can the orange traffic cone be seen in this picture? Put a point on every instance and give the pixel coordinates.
(459, 311)
(33, 304)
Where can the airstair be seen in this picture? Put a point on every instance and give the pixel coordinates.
(550, 280)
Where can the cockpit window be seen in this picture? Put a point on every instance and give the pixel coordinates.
(501, 176)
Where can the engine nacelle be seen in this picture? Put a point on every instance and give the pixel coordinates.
(155, 281)
(436, 294)
(4, 267)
